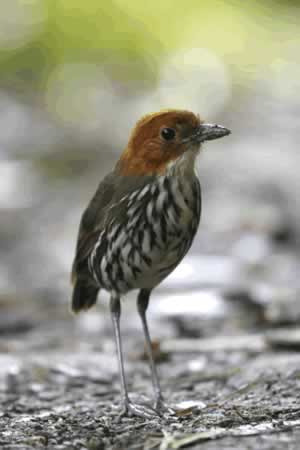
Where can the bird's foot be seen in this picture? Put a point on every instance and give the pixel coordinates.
(163, 408)
(133, 409)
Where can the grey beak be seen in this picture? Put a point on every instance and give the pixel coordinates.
(208, 132)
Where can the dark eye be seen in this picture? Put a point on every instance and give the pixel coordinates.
(167, 134)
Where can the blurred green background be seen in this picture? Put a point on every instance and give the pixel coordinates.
(75, 76)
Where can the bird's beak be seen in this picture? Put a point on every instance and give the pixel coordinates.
(208, 132)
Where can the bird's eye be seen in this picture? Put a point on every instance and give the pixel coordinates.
(167, 134)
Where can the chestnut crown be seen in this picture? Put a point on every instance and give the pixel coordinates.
(162, 137)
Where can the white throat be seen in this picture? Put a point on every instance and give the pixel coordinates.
(185, 164)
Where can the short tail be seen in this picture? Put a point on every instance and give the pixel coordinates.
(84, 295)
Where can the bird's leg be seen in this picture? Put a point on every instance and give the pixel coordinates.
(128, 407)
(115, 309)
(142, 305)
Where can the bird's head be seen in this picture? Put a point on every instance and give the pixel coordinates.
(161, 138)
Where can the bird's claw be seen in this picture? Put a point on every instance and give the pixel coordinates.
(162, 407)
(133, 409)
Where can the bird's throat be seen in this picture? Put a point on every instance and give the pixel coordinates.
(184, 165)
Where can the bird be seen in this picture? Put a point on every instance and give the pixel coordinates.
(140, 224)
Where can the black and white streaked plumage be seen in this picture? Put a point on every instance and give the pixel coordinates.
(142, 221)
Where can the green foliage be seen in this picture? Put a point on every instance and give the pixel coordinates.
(130, 39)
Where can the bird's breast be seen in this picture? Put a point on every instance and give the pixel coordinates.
(140, 248)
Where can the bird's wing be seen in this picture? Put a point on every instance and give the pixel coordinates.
(91, 222)
(104, 206)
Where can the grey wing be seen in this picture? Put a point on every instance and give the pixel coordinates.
(106, 205)
(91, 223)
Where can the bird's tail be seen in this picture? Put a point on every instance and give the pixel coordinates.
(84, 295)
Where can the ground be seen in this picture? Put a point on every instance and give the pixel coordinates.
(235, 379)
